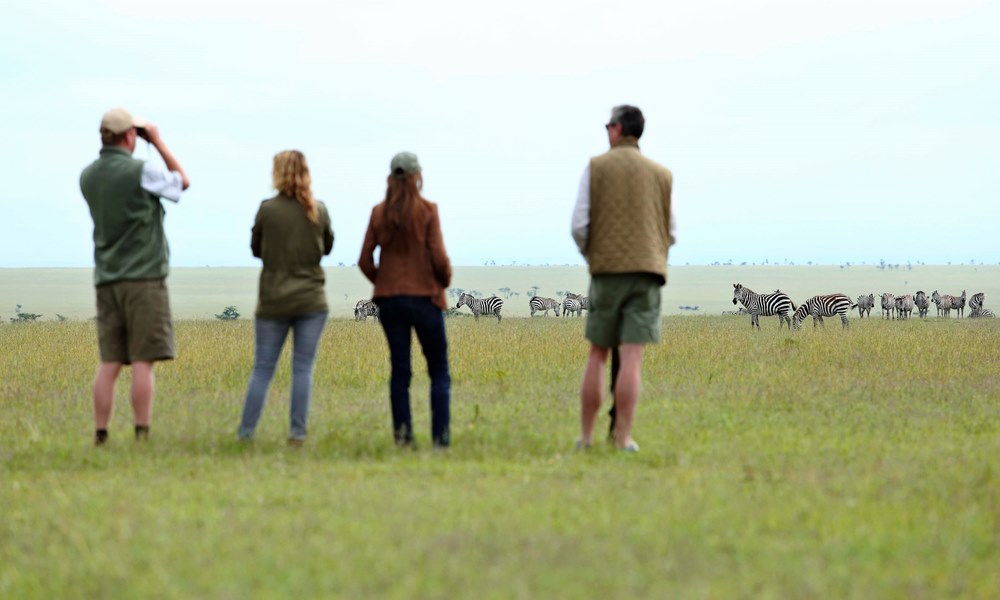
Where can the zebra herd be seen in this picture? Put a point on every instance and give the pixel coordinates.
(573, 304)
(779, 304)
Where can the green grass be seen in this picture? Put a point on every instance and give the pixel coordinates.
(855, 464)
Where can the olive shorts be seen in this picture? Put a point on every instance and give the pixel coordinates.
(624, 309)
(133, 321)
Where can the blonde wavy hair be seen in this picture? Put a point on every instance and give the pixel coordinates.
(291, 178)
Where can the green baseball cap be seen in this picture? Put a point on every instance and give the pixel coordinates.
(404, 162)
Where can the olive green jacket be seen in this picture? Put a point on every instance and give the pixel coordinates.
(291, 246)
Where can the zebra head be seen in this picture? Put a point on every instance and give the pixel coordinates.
(739, 292)
(555, 307)
(888, 301)
(464, 298)
(935, 297)
(800, 315)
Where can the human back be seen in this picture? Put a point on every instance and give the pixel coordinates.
(629, 212)
(291, 234)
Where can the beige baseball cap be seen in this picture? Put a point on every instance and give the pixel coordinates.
(119, 120)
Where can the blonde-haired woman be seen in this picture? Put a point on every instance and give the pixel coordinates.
(290, 234)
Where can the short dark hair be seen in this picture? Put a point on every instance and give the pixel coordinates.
(630, 118)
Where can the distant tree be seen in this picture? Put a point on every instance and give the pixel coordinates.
(228, 314)
(61, 318)
(23, 317)
(533, 291)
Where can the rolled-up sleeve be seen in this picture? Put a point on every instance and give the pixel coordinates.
(161, 182)
(581, 213)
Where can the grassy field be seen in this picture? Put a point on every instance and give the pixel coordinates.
(200, 293)
(821, 464)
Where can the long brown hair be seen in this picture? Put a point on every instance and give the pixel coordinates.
(291, 178)
(401, 195)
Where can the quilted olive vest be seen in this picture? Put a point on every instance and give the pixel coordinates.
(629, 212)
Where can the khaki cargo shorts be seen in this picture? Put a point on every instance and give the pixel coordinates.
(624, 309)
(133, 321)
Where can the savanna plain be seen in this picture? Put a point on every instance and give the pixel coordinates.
(825, 462)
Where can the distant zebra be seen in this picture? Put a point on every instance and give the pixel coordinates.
(981, 313)
(481, 306)
(904, 306)
(958, 303)
(823, 306)
(364, 309)
(976, 301)
(865, 305)
(922, 303)
(584, 300)
(888, 306)
(766, 305)
(739, 311)
(538, 304)
(944, 303)
(570, 306)
(575, 303)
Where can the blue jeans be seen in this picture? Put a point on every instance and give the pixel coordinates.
(400, 315)
(270, 336)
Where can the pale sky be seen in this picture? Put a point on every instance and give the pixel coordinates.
(804, 130)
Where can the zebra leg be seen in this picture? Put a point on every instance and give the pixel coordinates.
(498, 315)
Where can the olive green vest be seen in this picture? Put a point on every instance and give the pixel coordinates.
(629, 212)
(129, 242)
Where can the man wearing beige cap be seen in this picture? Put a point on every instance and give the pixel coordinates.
(130, 262)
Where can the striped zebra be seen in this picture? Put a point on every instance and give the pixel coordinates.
(958, 303)
(823, 306)
(572, 305)
(981, 313)
(944, 303)
(904, 306)
(865, 305)
(364, 309)
(481, 306)
(976, 301)
(766, 305)
(922, 303)
(888, 306)
(539, 304)
(575, 303)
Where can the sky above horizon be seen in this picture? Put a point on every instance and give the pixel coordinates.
(849, 131)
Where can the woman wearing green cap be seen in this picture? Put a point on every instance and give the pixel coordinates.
(410, 280)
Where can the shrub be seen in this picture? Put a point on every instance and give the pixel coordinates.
(230, 313)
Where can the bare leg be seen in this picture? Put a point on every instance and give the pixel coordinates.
(104, 392)
(627, 392)
(142, 392)
(591, 390)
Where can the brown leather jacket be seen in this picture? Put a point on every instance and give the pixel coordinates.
(414, 267)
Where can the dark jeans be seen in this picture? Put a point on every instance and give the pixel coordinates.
(400, 315)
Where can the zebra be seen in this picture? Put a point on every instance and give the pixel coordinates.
(904, 306)
(865, 304)
(584, 300)
(572, 305)
(944, 303)
(823, 306)
(976, 301)
(543, 304)
(958, 303)
(739, 311)
(364, 309)
(481, 306)
(888, 306)
(981, 313)
(766, 305)
(575, 303)
(922, 303)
